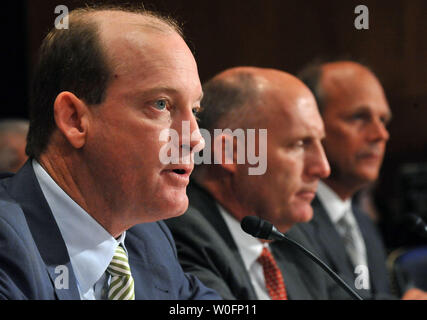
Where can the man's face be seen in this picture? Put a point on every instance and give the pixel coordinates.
(12, 146)
(355, 117)
(295, 159)
(155, 87)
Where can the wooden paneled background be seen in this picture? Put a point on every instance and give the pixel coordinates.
(282, 34)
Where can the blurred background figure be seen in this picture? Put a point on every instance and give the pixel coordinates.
(13, 135)
(356, 113)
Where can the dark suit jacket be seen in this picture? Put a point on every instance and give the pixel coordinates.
(206, 249)
(331, 248)
(31, 249)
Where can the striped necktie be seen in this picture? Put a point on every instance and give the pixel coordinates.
(121, 285)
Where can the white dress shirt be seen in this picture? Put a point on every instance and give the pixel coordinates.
(250, 249)
(89, 245)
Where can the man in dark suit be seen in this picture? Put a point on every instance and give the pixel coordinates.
(80, 220)
(209, 239)
(355, 113)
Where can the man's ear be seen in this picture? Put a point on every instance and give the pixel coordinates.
(72, 118)
(224, 149)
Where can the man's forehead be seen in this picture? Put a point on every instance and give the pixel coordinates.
(349, 78)
(285, 97)
(350, 88)
(117, 26)
(133, 44)
(119, 21)
(297, 111)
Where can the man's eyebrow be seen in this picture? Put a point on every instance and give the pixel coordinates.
(365, 108)
(157, 90)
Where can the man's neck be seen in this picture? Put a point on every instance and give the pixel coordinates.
(223, 193)
(343, 190)
(62, 170)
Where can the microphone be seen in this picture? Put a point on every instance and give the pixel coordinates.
(417, 225)
(259, 228)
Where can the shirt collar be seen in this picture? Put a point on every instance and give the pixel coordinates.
(334, 205)
(249, 247)
(89, 245)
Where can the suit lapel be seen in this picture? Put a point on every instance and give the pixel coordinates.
(24, 188)
(375, 256)
(285, 258)
(329, 239)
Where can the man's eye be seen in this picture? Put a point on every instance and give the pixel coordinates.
(160, 104)
(299, 144)
(196, 112)
(360, 116)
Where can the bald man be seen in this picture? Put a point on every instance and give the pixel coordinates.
(209, 239)
(81, 219)
(355, 112)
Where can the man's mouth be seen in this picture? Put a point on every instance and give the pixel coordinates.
(179, 175)
(372, 156)
(179, 171)
(307, 195)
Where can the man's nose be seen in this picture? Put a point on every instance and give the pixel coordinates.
(317, 163)
(190, 136)
(378, 131)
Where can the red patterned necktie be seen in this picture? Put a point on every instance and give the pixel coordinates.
(273, 276)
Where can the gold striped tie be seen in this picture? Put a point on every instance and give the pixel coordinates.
(121, 285)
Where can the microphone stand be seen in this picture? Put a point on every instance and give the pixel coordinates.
(263, 229)
(325, 267)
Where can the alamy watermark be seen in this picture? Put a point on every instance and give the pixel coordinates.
(362, 279)
(229, 146)
(61, 21)
(362, 20)
(62, 280)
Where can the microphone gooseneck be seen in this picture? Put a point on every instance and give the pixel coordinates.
(259, 228)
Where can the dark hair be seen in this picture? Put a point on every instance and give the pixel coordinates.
(72, 60)
(222, 98)
(311, 76)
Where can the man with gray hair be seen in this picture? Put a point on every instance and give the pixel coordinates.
(13, 135)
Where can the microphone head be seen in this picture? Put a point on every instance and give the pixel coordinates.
(257, 227)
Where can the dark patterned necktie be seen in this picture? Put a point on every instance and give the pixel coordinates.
(273, 276)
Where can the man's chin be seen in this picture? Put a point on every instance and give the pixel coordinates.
(175, 206)
(304, 213)
(366, 176)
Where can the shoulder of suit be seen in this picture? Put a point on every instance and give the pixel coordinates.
(191, 221)
(11, 211)
(302, 234)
